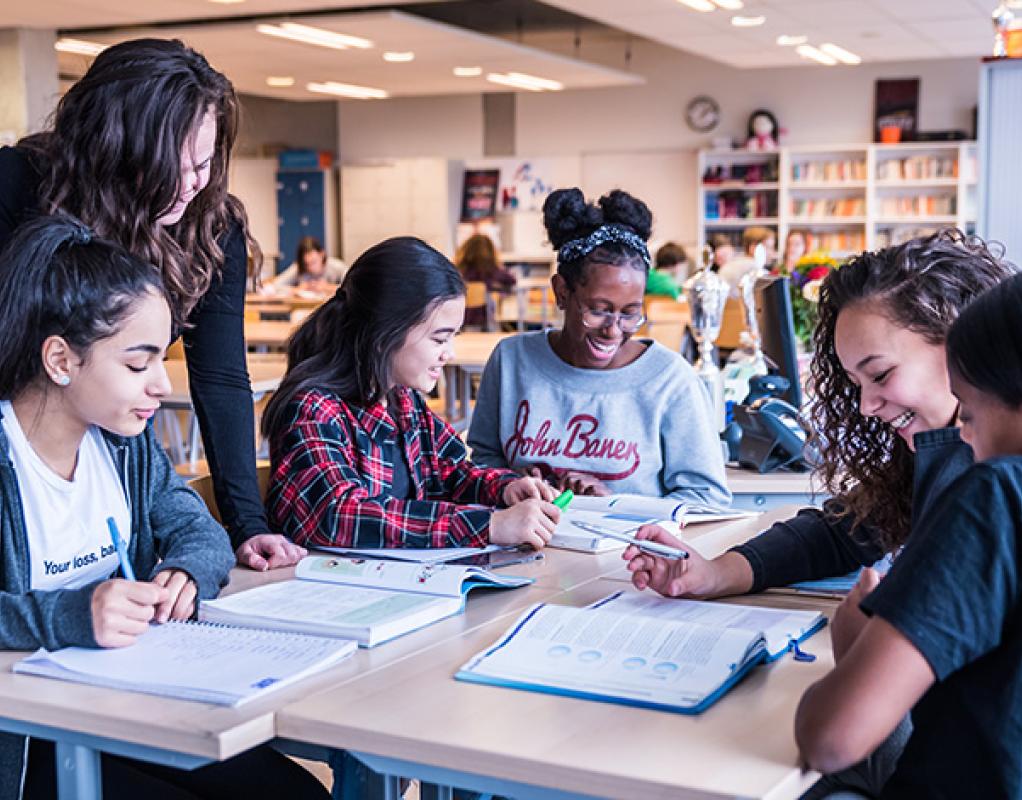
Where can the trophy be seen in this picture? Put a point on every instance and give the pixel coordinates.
(747, 288)
(707, 293)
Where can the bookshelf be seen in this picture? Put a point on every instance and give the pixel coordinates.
(845, 198)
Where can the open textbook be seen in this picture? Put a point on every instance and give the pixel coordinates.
(368, 600)
(626, 513)
(195, 661)
(673, 655)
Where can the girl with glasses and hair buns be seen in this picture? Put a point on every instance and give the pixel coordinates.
(139, 150)
(85, 327)
(591, 407)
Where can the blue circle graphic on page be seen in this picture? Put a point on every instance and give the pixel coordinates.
(558, 651)
(665, 668)
(588, 656)
(634, 663)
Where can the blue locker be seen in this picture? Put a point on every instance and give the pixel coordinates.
(301, 210)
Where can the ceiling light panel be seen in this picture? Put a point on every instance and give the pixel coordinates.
(699, 5)
(842, 55)
(730, 5)
(810, 52)
(347, 90)
(321, 37)
(748, 22)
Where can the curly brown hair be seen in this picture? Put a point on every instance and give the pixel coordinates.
(113, 160)
(922, 286)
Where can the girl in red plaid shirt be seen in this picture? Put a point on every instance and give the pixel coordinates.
(358, 459)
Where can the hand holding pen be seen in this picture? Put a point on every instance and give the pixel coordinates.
(671, 577)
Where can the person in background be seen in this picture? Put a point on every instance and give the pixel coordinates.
(312, 271)
(139, 151)
(666, 278)
(477, 260)
(85, 328)
(590, 406)
(939, 635)
(794, 248)
(736, 267)
(723, 251)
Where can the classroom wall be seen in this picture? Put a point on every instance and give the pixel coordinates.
(817, 105)
(268, 126)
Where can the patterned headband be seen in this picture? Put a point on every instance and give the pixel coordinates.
(580, 248)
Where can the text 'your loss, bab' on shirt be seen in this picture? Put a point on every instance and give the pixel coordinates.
(645, 428)
(68, 539)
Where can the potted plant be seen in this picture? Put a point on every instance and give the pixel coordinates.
(806, 278)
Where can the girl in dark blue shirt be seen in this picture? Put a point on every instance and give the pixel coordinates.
(940, 635)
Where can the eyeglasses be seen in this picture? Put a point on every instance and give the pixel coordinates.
(626, 323)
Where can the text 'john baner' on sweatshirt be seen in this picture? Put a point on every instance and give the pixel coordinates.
(646, 428)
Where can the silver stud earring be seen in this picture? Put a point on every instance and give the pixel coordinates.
(63, 380)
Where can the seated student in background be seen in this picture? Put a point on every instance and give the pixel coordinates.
(589, 406)
(794, 249)
(736, 267)
(312, 270)
(477, 260)
(85, 327)
(358, 459)
(666, 278)
(939, 636)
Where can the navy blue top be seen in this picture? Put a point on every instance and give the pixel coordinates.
(821, 543)
(954, 593)
(214, 352)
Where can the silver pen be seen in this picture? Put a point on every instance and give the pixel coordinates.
(654, 548)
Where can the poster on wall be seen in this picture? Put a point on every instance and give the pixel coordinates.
(479, 195)
(897, 110)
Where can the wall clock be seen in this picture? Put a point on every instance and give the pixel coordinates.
(702, 113)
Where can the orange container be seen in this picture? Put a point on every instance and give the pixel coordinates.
(890, 134)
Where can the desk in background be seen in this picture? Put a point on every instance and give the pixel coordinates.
(471, 351)
(265, 334)
(753, 491)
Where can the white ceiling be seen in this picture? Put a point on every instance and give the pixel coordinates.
(876, 30)
(249, 57)
(101, 13)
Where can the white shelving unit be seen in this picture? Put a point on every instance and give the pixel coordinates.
(847, 198)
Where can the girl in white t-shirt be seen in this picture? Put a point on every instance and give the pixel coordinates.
(84, 327)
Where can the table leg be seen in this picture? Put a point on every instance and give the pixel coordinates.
(392, 787)
(466, 395)
(79, 775)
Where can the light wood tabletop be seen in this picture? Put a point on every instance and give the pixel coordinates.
(265, 372)
(268, 333)
(414, 712)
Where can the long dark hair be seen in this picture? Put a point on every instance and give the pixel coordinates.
(922, 286)
(347, 345)
(567, 216)
(113, 159)
(58, 279)
(984, 346)
(307, 244)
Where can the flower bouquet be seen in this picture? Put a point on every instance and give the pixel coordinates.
(806, 278)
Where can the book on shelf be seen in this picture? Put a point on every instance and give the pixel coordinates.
(915, 168)
(640, 650)
(195, 661)
(836, 171)
(368, 600)
(626, 513)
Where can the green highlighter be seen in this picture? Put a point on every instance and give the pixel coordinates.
(565, 497)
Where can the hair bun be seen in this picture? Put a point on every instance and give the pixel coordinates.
(620, 207)
(567, 216)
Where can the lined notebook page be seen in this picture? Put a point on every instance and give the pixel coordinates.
(196, 661)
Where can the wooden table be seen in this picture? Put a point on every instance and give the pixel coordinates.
(268, 333)
(412, 719)
(565, 744)
(265, 373)
(472, 350)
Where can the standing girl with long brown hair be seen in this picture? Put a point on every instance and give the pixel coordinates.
(139, 151)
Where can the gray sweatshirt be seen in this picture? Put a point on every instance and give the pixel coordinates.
(170, 529)
(645, 428)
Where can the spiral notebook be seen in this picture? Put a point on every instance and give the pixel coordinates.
(195, 661)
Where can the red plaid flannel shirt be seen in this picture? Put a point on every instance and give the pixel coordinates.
(331, 485)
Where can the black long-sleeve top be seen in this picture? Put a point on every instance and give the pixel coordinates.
(214, 352)
(815, 544)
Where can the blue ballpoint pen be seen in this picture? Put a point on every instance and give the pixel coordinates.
(122, 552)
